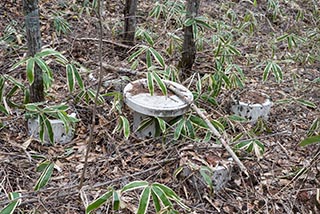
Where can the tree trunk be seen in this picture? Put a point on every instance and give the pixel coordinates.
(130, 21)
(189, 48)
(31, 11)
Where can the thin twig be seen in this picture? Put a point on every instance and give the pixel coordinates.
(94, 111)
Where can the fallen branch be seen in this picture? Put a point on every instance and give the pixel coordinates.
(213, 130)
(104, 40)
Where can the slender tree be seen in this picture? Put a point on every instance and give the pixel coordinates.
(130, 21)
(189, 48)
(31, 12)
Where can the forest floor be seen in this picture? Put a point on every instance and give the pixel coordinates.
(276, 183)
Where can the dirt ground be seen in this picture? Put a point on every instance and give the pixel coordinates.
(274, 185)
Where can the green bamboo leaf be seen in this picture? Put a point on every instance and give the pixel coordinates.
(137, 53)
(206, 174)
(243, 144)
(237, 118)
(310, 140)
(10, 208)
(283, 37)
(207, 137)
(14, 81)
(14, 195)
(233, 50)
(42, 166)
(190, 129)
(150, 83)
(161, 196)
(126, 126)
(217, 125)
(16, 65)
(217, 52)
(160, 83)
(178, 129)
(16, 201)
(3, 110)
(118, 127)
(237, 137)
(134, 185)
(51, 52)
(41, 128)
(259, 147)
(314, 126)
(199, 84)
(266, 71)
(167, 190)
(78, 77)
(170, 48)
(148, 59)
(157, 56)
(31, 107)
(47, 52)
(116, 200)
(156, 11)
(198, 121)
(90, 93)
(59, 107)
(65, 120)
(255, 3)
(250, 146)
(202, 21)
(188, 22)
(162, 124)
(290, 41)
(146, 122)
(30, 70)
(277, 72)
(144, 201)
(45, 177)
(306, 103)
(195, 30)
(11, 92)
(99, 201)
(156, 201)
(148, 38)
(42, 64)
(70, 77)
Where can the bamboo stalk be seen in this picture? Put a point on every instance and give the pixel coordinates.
(213, 130)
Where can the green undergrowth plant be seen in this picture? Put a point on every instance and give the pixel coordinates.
(84, 7)
(46, 168)
(171, 12)
(60, 24)
(15, 201)
(160, 125)
(300, 101)
(155, 52)
(313, 134)
(42, 111)
(11, 37)
(161, 196)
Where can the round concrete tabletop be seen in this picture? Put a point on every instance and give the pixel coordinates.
(157, 105)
